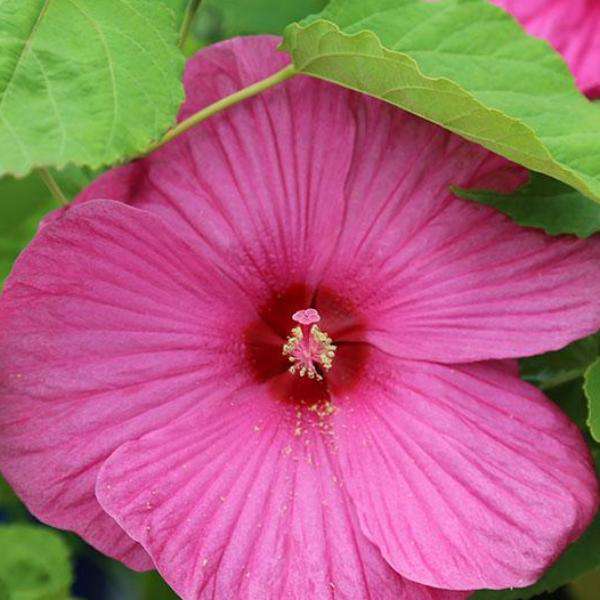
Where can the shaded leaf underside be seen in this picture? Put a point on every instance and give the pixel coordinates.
(544, 203)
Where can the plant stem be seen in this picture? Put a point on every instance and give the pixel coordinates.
(188, 19)
(223, 103)
(571, 375)
(53, 186)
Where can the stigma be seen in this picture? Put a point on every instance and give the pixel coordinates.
(309, 349)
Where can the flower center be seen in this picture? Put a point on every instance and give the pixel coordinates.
(309, 349)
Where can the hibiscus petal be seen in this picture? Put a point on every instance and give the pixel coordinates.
(437, 278)
(469, 286)
(257, 183)
(464, 476)
(110, 326)
(571, 26)
(234, 504)
(353, 194)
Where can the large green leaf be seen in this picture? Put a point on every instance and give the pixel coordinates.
(544, 203)
(592, 392)
(85, 81)
(178, 8)
(34, 563)
(466, 65)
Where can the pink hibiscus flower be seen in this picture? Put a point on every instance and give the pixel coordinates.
(146, 343)
(572, 27)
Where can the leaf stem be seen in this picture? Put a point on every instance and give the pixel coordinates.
(565, 377)
(53, 186)
(188, 19)
(223, 103)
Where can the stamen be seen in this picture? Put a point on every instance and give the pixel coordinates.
(307, 347)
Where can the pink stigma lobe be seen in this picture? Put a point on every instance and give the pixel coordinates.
(308, 316)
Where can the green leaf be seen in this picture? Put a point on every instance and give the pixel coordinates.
(18, 199)
(544, 203)
(242, 17)
(85, 81)
(4, 593)
(34, 563)
(23, 202)
(178, 8)
(592, 392)
(22, 205)
(552, 369)
(12, 243)
(10, 505)
(155, 588)
(569, 396)
(466, 65)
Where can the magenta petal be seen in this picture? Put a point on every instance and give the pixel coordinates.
(353, 194)
(571, 26)
(442, 279)
(471, 287)
(233, 504)
(105, 334)
(464, 476)
(128, 339)
(281, 183)
(259, 182)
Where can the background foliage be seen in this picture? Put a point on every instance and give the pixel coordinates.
(38, 563)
